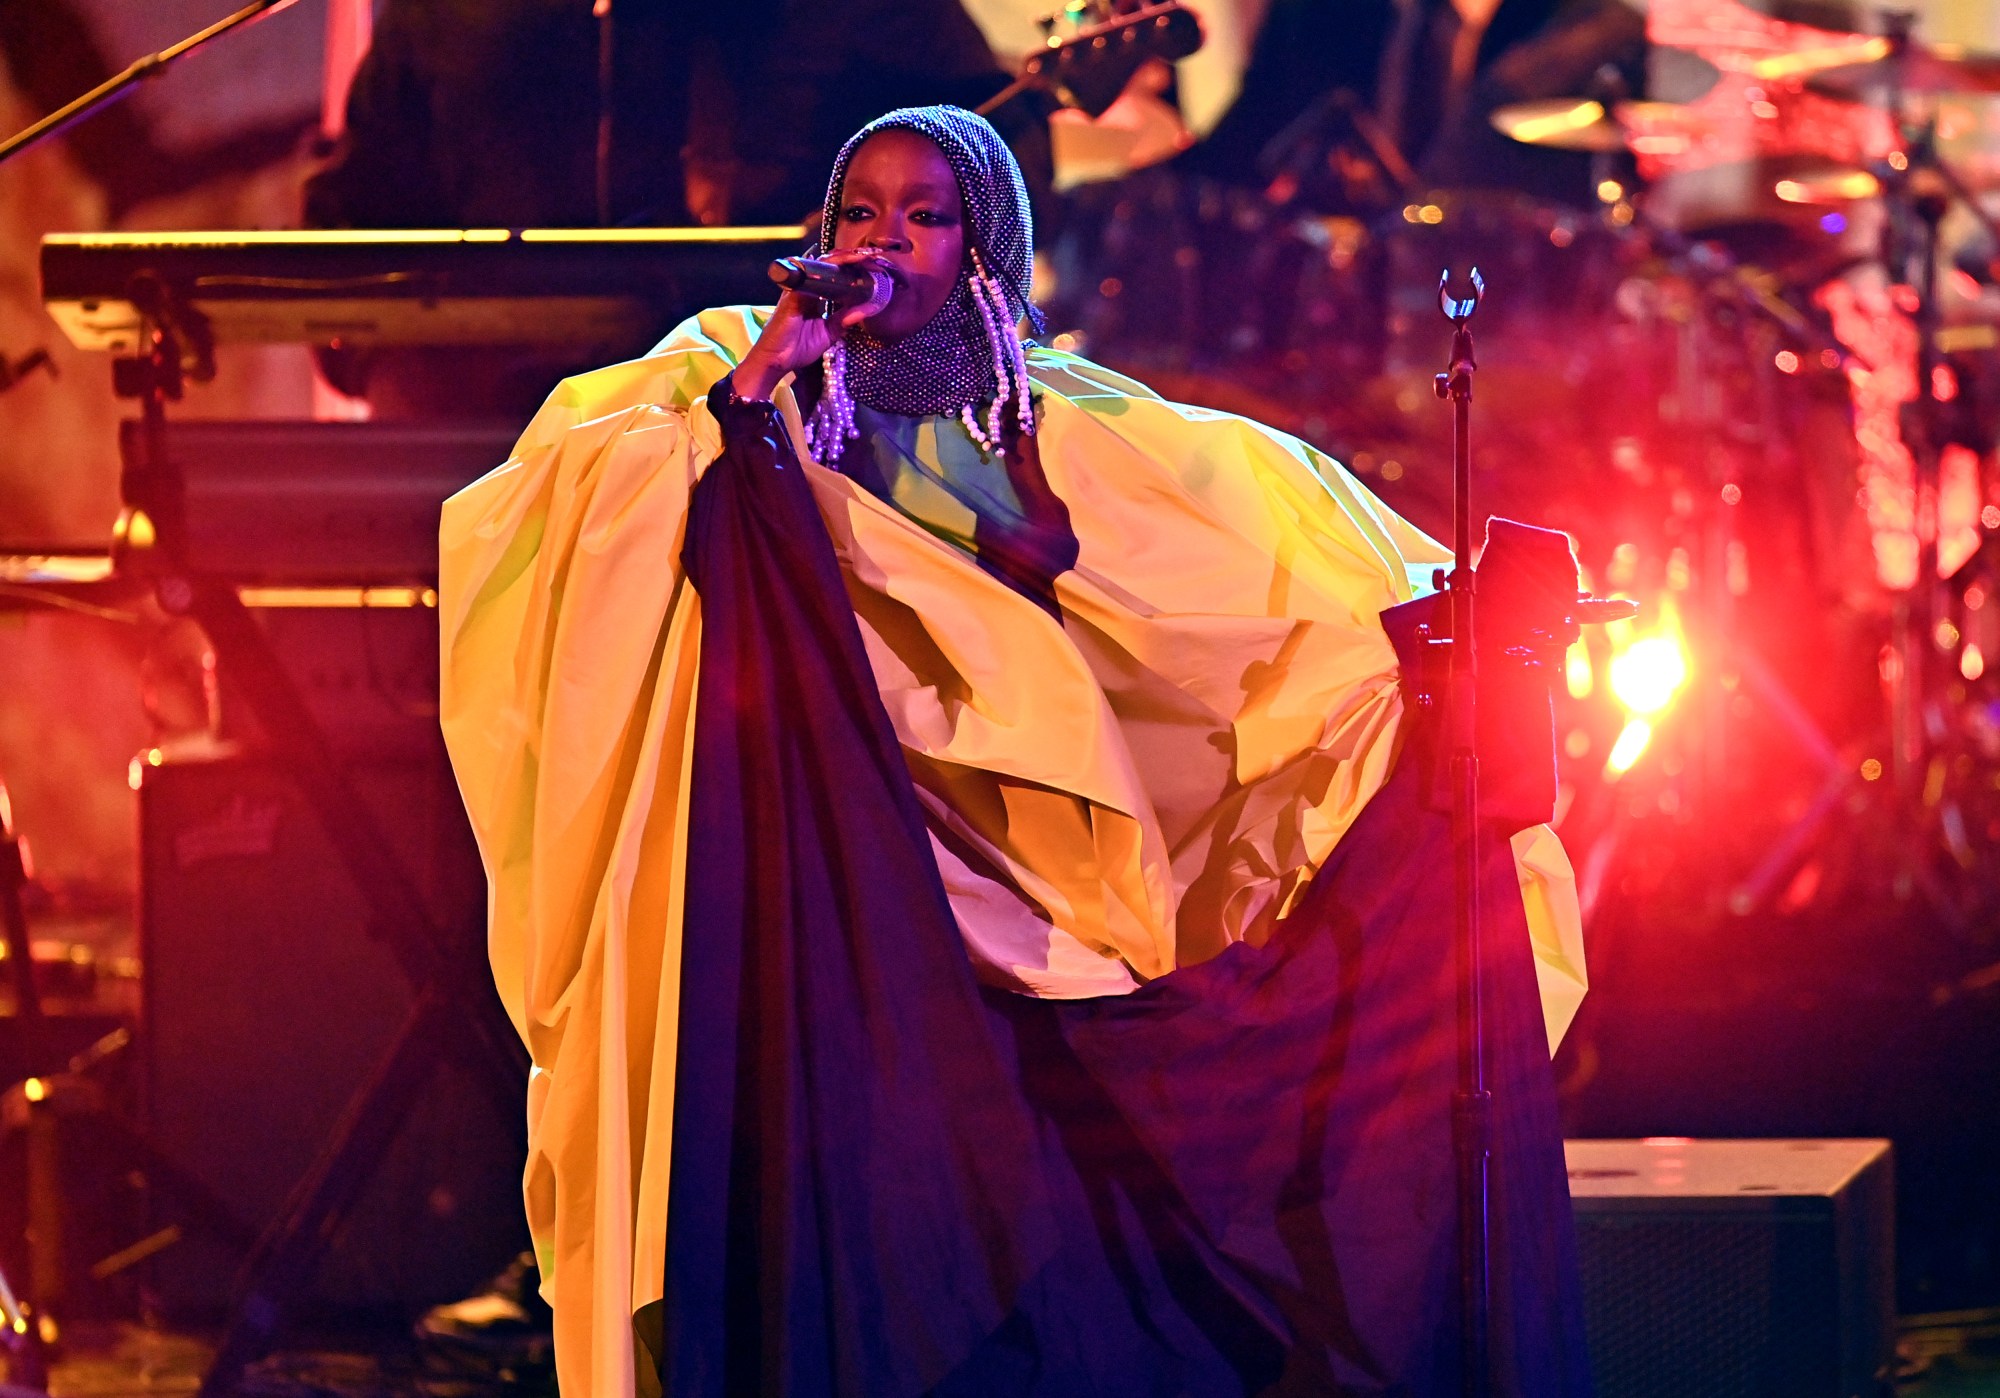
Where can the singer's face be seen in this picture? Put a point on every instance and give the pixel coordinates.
(901, 201)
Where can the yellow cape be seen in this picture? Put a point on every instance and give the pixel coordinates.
(1110, 796)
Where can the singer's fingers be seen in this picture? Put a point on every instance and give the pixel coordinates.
(795, 307)
(799, 306)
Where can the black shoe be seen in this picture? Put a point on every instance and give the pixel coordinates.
(508, 1323)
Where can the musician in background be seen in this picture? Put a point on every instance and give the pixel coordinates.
(1482, 57)
(485, 114)
(1427, 74)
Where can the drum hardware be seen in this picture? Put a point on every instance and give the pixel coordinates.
(1919, 189)
(21, 1343)
(42, 1106)
(1710, 303)
(1312, 140)
(21, 1336)
(1724, 290)
(1751, 244)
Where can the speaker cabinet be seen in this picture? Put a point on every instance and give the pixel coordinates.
(267, 1002)
(1714, 1269)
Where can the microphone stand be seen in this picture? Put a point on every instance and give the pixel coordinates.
(1472, 1106)
(116, 86)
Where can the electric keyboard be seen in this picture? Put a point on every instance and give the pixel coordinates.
(563, 288)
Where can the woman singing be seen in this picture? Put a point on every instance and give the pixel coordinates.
(962, 861)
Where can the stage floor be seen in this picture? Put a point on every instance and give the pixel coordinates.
(131, 1361)
(1954, 1355)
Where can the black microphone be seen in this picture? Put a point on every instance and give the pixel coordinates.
(843, 284)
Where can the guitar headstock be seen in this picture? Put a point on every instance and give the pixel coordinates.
(1105, 43)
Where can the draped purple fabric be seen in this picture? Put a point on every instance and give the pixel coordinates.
(855, 1197)
(1298, 1099)
(1237, 1180)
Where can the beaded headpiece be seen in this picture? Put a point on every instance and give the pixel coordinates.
(966, 357)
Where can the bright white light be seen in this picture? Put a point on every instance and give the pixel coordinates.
(1648, 674)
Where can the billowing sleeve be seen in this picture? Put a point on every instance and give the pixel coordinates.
(569, 643)
(570, 637)
(1227, 596)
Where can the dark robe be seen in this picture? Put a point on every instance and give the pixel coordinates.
(1238, 1179)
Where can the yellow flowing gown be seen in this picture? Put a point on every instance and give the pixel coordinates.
(1110, 796)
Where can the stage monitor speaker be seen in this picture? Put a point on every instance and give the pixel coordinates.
(1713, 1269)
(267, 1003)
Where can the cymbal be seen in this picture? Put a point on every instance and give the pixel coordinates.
(1827, 186)
(1803, 63)
(1937, 68)
(1579, 123)
(1560, 123)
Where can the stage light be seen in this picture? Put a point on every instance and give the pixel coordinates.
(1971, 663)
(1577, 672)
(1649, 672)
(1627, 750)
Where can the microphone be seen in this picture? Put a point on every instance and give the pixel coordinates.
(847, 285)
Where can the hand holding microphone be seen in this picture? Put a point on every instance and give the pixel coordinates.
(851, 283)
(860, 288)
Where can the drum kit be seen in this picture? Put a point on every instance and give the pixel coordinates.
(1678, 358)
(1807, 162)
